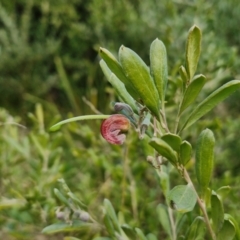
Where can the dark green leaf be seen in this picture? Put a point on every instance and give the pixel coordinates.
(129, 231)
(197, 229)
(217, 212)
(185, 152)
(164, 149)
(192, 92)
(138, 73)
(173, 140)
(204, 158)
(227, 231)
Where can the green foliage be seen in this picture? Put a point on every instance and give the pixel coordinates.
(48, 61)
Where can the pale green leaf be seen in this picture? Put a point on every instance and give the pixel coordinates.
(79, 118)
(211, 101)
(182, 198)
(164, 219)
(67, 227)
(158, 66)
(193, 50)
(118, 86)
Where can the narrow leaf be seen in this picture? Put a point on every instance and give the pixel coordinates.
(185, 152)
(118, 86)
(197, 229)
(61, 197)
(183, 198)
(193, 50)
(184, 77)
(234, 222)
(158, 65)
(217, 212)
(211, 101)
(164, 219)
(139, 75)
(204, 158)
(66, 227)
(129, 231)
(80, 118)
(223, 191)
(192, 91)
(111, 213)
(164, 149)
(227, 231)
(140, 234)
(116, 68)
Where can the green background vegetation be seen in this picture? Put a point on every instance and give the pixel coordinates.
(49, 61)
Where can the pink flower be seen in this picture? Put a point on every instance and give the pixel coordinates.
(114, 127)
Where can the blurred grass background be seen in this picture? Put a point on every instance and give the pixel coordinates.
(49, 61)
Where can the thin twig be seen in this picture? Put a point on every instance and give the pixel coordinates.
(201, 204)
(92, 107)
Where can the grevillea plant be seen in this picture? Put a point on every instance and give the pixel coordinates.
(142, 90)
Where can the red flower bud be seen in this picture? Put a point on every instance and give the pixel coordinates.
(114, 127)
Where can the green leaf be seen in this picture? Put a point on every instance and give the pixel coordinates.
(228, 217)
(80, 118)
(197, 229)
(71, 238)
(227, 231)
(211, 101)
(193, 50)
(164, 149)
(158, 66)
(192, 92)
(61, 197)
(151, 236)
(173, 140)
(111, 213)
(183, 198)
(116, 68)
(129, 231)
(223, 191)
(204, 158)
(164, 180)
(11, 203)
(217, 212)
(66, 227)
(164, 219)
(118, 86)
(140, 234)
(185, 152)
(109, 225)
(138, 73)
(184, 77)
